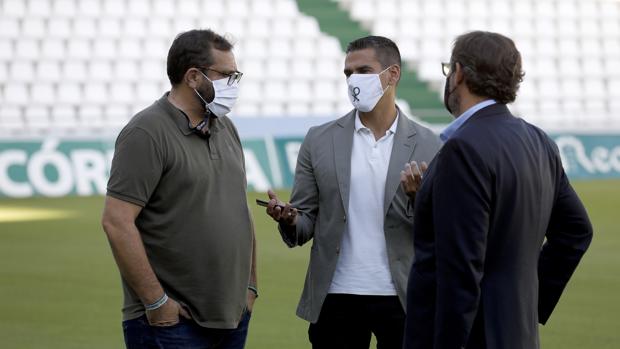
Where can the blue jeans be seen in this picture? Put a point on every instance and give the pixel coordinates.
(186, 335)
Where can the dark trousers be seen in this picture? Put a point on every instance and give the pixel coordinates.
(347, 322)
(185, 335)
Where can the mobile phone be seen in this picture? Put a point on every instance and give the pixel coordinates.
(264, 203)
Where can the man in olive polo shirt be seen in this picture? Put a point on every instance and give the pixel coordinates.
(176, 213)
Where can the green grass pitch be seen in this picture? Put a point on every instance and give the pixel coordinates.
(59, 286)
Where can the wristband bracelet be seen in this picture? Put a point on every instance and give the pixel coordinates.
(157, 304)
(254, 290)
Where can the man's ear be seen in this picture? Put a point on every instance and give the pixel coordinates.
(394, 75)
(459, 77)
(192, 78)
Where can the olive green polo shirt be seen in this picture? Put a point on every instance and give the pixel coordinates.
(195, 222)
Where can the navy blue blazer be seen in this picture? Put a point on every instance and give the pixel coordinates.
(484, 275)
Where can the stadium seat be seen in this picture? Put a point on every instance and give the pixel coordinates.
(571, 89)
(285, 9)
(22, 71)
(299, 91)
(277, 68)
(246, 109)
(90, 117)
(250, 92)
(325, 91)
(272, 109)
(125, 70)
(321, 109)
(114, 8)
(27, 49)
(96, 93)
(298, 109)
(385, 27)
(33, 28)
(43, 94)
(41, 8)
(4, 73)
(89, 8)
(121, 92)
(64, 8)
(79, 48)
(280, 49)
(304, 48)
(53, 49)
(146, 93)
(84, 28)
(37, 114)
(610, 28)
(48, 71)
(16, 94)
(14, 8)
(139, 9)
(307, 27)
(275, 93)
(69, 93)
(302, 69)
(105, 48)
(6, 50)
(100, 70)
(58, 28)
(153, 47)
(11, 114)
(65, 116)
(116, 116)
(74, 70)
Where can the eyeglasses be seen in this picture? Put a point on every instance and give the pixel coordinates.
(446, 68)
(232, 77)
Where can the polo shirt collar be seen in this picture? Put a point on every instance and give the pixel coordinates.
(360, 126)
(182, 120)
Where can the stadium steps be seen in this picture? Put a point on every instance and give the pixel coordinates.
(424, 102)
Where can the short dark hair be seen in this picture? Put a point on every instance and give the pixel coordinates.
(386, 50)
(192, 49)
(490, 63)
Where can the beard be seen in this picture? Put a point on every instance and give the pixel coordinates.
(454, 101)
(207, 92)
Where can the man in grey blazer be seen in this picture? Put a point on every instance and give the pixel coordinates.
(354, 185)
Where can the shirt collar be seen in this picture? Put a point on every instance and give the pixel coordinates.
(359, 126)
(459, 121)
(182, 120)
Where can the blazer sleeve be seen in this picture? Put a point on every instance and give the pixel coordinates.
(569, 234)
(461, 198)
(305, 198)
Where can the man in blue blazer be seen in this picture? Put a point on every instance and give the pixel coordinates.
(498, 228)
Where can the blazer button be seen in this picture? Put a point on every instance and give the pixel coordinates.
(344, 218)
(337, 249)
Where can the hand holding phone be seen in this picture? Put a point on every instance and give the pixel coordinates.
(264, 203)
(280, 212)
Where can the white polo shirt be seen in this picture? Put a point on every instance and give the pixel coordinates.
(363, 267)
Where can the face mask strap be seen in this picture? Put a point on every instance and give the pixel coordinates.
(384, 70)
(200, 96)
(206, 77)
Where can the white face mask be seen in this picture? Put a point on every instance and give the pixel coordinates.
(365, 90)
(225, 96)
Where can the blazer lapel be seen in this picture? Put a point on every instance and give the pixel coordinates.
(404, 144)
(343, 146)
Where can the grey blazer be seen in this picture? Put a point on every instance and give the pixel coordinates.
(321, 195)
